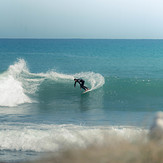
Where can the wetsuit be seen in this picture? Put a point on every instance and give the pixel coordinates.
(81, 82)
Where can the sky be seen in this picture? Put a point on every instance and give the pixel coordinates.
(106, 19)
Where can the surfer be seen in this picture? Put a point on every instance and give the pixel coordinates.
(81, 82)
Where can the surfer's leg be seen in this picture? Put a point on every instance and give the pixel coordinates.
(85, 88)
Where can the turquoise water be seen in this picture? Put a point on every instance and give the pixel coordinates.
(42, 112)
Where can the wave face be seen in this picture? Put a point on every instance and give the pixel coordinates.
(18, 85)
(134, 86)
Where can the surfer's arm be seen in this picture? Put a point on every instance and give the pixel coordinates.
(75, 84)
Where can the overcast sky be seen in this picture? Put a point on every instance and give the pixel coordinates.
(113, 19)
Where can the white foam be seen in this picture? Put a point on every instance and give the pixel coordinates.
(14, 84)
(19, 67)
(11, 92)
(11, 87)
(57, 76)
(44, 138)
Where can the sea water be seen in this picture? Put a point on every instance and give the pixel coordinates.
(41, 111)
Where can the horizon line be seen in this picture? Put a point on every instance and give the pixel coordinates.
(80, 38)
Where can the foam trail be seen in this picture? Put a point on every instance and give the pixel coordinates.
(59, 77)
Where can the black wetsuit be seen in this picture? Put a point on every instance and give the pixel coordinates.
(81, 82)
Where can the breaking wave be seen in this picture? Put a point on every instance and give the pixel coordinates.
(18, 85)
(44, 137)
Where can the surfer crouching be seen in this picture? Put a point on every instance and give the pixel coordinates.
(81, 82)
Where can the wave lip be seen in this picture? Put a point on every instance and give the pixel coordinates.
(11, 87)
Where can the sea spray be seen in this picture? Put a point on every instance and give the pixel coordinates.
(95, 80)
(11, 87)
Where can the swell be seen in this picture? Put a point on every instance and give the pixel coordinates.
(18, 85)
(134, 86)
(133, 94)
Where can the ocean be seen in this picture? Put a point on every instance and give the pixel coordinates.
(42, 112)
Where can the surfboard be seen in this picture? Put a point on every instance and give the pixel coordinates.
(86, 91)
